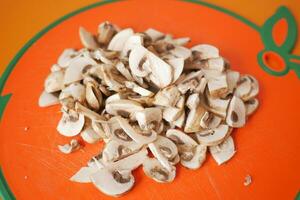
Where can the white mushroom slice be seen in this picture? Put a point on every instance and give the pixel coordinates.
(193, 159)
(113, 183)
(124, 71)
(192, 123)
(181, 52)
(177, 64)
(118, 41)
(69, 148)
(99, 55)
(148, 117)
(244, 87)
(224, 151)
(251, 106)
(236, 114)
(112, 78)
(193, 101)
(181, 102)
(161, 72)
(87, 39)
(181, 41)
(70, 127)
(154, 34)
(138, 61)
(138, 89)
(113, 97)
(66, 57)
(55, 68)
(74, 72)
(171, 114)
(54, 82)
(175, 160)
(140, 81)
(210, 121)
(123, 107)
(206, 51)
(166, 146)
(168, 96)
(180, 137)
(93, 96)
(137, 137)
(160, 157)
(48, 99)
(216, 64)
(214, 136)
(83, 175)
(153, 169)
(75, 90)
(201, 86)
(180, 121)
(218, 106)
(90, 136)
(89, 113)
(254, 89)
(232, 79)
(217, 86)
(98, 128)
(132, 41)
(106, 31)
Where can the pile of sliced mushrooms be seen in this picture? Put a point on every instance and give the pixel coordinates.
(154, 102)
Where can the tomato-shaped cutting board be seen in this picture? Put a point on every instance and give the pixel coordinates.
(267, 147)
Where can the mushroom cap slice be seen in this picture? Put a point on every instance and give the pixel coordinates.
(98, 54)
(154, 34)
(171, 114)
(54, 82)
(123, 107)
(217, 106)
(177, 64)
(216, 64)
(206, 51)
(48, 99)
(106, 31)
(236, 114)
(157, 152)
(83, 175)
(194, 159)
(137, 137)
(66, 57)
(90, 136)
(93, 96)
(180, 121)
(124, 71)
(193, 101)
(74, 72)
(166, 146)
(168, 96)
(131, 42)
(194, 117)
(181, 52)
(69, 127)
(118, 41)
(217, 86)
(89, 113)
(224, 151)
(69, 148)
(244, 87)
(148, 117)
(74, 90)
(210, 121)
(87, 39)
(254, 89)
(137, 59)
(251, 106)
(153, 169)
(113, 183)
(214, 136)
(232, 79)
(138, 89)
(180, 137)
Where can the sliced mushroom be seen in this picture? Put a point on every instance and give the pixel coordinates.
(83, 175)
(192, 157)
(89, 113)
(122, 107)
(137, 137)
(118, 41)
(154, 34)
(232, 79)
(69, 148)
(99, 55)
(54, 82)
(138, 61)
(181, 52)
(254, 89)
(131, 42)
(213, 136)
(210, 121)
(205, 51)
(112, 78)
(56, 68)
(217, 106)
(90, 136)
(217, 86)
(66, 57)
(138, 89)
(181, 41)
(68, 126)
(168, 96)
(251, 106)
(224, 151)
(193, 101)
(74, 90)
(98, 128)
(148, 118)
(180, 121)
(236, 114)
(194, 117)
(166, 147)
(124, 71)
(74, 71)
(177, 64)
(113, 183)
(93, 96)
(171, 114)
(243, 88)
(48, 99)
(106, 31)
(87, 39)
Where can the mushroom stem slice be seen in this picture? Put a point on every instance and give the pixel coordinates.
(106, 31)
(154, 170)
(180, 121)
(193, 101)
(113, 183)
(48, 99)
(193, 119)
(224, 151)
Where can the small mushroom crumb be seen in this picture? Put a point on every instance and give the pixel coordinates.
(248, 180)
(25, 177)
(26, 128)
(140, 92)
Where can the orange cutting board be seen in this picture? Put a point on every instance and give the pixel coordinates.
(267, 147)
